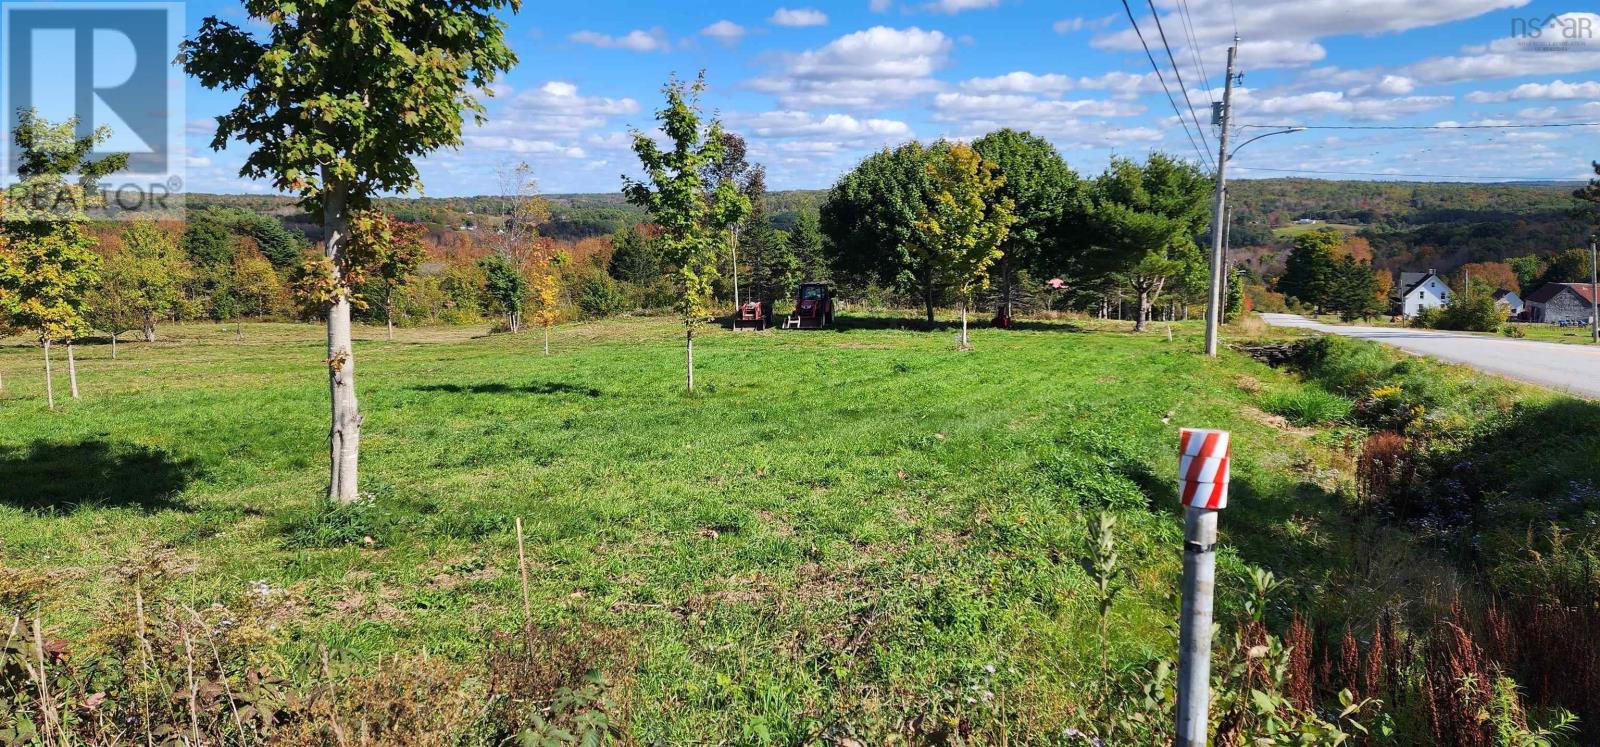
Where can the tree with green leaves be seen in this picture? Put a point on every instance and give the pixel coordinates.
(633, 259)
(805, 240)
(690, 216)
(148, 274)
(1568, 266)
(339, 100)
(733, 167)
(397, 253)
(1045, 191)
(1528, 270)
(1353, 290)
(1142, 220)
(206, 240)
(47, 262)
(869, 218)
(1309, 273)
(960, 232)
(775, 271)
(505, 288)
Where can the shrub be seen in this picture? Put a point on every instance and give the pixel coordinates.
(1427, 318)
(1309, 406)
(600, 297)
(1471, 313)
(335, 525)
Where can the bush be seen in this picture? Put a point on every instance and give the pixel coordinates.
(600, 297)
(1309, 406)
(1470, 313)
(335, 525)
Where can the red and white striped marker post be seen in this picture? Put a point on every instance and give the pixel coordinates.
(1203, 488)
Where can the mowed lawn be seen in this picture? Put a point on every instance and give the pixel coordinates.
(855, 523)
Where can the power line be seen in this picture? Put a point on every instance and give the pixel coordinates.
(1234, 13)
(1480, 177)
(1430, 127)
(1179, 73)
(1194, 49)
(1204, 156)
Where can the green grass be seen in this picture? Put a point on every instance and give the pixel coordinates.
(1308, 406)
(838, 524)
(1292, 230)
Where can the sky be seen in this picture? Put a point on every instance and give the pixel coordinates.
(817, 85)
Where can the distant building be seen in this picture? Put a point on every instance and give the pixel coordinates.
(1307, 221)
(1510, 300)
(1422, 290)
(1561, 302)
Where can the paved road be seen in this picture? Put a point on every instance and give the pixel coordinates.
(1573, 369)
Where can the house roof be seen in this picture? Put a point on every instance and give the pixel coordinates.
(1503, 292)
(1550, 290)
(1410, 280)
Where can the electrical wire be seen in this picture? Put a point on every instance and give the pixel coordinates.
(1179, 73)
(1430, 127)
(1204, 157)
(1479, 177)
(1194, 49)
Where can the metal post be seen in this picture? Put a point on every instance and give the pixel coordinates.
(1594, 287)
(1194, 627)
(1203, 490)
(1214, 307)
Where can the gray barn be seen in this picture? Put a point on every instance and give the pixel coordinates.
(1560, 302)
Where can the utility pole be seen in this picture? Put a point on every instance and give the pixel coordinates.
(1227, 248)
(1594, 287)
(1224, 115)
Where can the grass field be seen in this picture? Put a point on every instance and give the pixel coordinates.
(1295, 229)
(856, 524)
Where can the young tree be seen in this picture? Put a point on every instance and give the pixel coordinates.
(110, 308)
(1044, 190)
(47, 266)
(148, 274)
(775, 271)
(1142, 220)
(517, 240)
(339, 101)
(689, 216)
(397, 254)
(806, 243)
(547, 290)
(253, 287)
(960, 232)
(633, 259)
(506, 288)
(733, 168)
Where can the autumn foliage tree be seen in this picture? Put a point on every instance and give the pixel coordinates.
(338, 99)
(47, 263)
(690, 216)
(960, 231)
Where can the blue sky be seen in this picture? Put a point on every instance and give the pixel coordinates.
(815, 85)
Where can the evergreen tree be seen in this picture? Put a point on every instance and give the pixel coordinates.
(633, 258)
(806, 242)
(1309, 273)
(1045, 191)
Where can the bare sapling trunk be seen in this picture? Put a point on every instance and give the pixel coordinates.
(927, 298)
(964, 344)
(149, 326)
(388, 318)
(113, 346)
(49, 381)
(689, 347)
(72, 370)
(546, 339)
(344, 434)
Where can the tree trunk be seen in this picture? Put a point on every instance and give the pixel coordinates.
(1142, 322)
(689, 346)
(546, 339)
(927, 298)
(113, 346)
(733, 246)
(49, 381)
(964, 344)
(388, 318)
(344, 433)
(72, 370)
(149, 326)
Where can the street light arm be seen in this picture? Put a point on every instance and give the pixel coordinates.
(1258, 137)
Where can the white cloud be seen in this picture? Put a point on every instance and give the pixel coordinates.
(881, 6)
(860, 70)
(549, 120)
(1389, 85)
(1518, 55)
(1069, 25)
(834, 127)
(956, 6)
(1249, 103)
(1021, 82)
(654, 40)
(724, 31)
(1557, 89)
(798, 17)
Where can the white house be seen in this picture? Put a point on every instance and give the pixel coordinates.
(1422, 290)
(1509, 299)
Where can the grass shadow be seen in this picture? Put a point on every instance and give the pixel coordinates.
(51, 477)
(852, 323)
(546, 387)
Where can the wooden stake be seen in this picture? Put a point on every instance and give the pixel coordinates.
(46, 707)
(194, 707)
(522, 568)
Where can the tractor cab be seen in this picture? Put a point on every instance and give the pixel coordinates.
(756, 315)
(813, 307)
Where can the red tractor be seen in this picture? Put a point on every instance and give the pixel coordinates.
(756, 315)
(813, 307)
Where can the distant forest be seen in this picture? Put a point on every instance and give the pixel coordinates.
(1409, 225)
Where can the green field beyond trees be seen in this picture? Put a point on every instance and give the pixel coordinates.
(854, 529)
